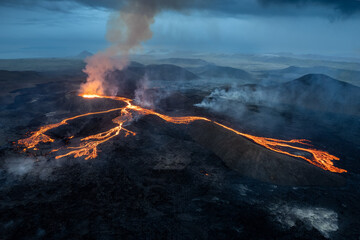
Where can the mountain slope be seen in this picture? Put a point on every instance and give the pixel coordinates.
(320, 92)
(168, 72)
(214, 71)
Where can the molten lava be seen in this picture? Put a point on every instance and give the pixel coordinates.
(88, 145)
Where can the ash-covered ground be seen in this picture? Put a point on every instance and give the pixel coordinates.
(163, 183)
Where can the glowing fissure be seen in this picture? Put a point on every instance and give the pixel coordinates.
(88, 145)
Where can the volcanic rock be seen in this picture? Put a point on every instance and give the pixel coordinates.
(254, 161)
(83, 55)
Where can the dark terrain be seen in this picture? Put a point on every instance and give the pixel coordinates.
(179, 181)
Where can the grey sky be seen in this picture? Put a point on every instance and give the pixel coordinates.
(59, 28)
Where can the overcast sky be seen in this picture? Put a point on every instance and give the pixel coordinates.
(56, 28)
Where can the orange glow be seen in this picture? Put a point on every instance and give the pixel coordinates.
(90, 96)
(320, 159)
(40, 137)
(88, 145)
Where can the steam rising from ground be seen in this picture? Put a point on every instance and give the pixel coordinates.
(29, 167)
(141, 96)
(149, 97)
(19, 166)
(220, 97)
(225, 101)
(126, 30)
(323, 220)
(316, 92)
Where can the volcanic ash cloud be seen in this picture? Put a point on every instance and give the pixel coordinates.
(126, 30)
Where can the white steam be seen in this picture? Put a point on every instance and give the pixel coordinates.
(244, 94)
(19, 166)
(323, 220)
(148, 96)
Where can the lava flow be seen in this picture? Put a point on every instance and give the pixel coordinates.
(88, 145)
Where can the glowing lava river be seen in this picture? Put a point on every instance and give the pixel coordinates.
(88, 145)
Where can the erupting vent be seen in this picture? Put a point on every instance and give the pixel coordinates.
(88, 146)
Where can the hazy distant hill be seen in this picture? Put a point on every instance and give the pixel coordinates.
(162, 72)
(315, 91)
(135, 64)
(214, 71)
(168, 72)
(295, 60)
(321, 92)
(83, 55)
(184, 61)
(292, 72)
(129, 79)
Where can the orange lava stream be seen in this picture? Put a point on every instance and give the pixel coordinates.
(39, 136)
(320, 159)
(88, 146)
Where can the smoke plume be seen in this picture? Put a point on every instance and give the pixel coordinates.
(126, 30)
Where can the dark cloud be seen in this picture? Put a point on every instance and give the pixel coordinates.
(253, 7)
(344, 6)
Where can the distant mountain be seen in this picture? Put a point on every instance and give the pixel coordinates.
(316, 92)
(305, 70)
(136, 64)
(83, 55)
(185, 61)
(162, 72)
(292, 72)
(321, 81)
(316, 70)
(320, 92)
(129, 78)
(174, 73)
(214, 71)
(168, 72)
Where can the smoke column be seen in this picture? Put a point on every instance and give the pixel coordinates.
(126, 30)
